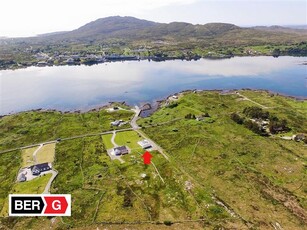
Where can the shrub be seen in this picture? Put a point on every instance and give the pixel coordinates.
(168, 222)
(190, 116)
(278, 126)
(236, 118)
(253, 127)
(256, 112)
(172, 105)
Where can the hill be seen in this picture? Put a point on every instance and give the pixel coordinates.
(285, 29)
(132, 29)
(115, 26)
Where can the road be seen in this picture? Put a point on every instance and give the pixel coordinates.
(136, 127)
(66, 139)
(35, 152)
(247, 99)
(133, 123)
(48, 185)
(113, 139)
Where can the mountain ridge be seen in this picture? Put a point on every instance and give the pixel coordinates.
(131, 29)
(134, 28)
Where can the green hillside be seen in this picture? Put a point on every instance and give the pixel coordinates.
(214, 174)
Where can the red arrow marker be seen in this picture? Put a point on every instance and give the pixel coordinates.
(55, 204)
(147, 158)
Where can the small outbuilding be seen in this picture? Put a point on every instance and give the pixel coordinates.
(116, 123)
(22, 177)
(145, 144)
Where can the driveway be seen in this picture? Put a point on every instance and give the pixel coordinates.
(47, 188)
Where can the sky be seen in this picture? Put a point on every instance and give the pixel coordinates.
(20, 18)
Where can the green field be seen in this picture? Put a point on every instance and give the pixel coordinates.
(250, 173)
(9, 166)
(260, 180)
(107, 140)
(27, 157)
(35, 186)
(46, 154)
(128, 138)
(117, 190)
(36, 127)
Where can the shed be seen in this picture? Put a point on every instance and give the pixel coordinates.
(22, 177)
(145, 144)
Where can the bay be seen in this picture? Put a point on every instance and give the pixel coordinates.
(85, 87)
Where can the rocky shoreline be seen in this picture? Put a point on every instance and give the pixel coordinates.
(152, 107)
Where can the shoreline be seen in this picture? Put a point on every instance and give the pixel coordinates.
(156, 101)
(146, 58)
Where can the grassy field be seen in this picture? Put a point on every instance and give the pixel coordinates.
(247, 171)
(35, 127)
(27, 157)
(107, 140)
(105, 190)
(259, 179)
(10, 163)
(128, 138)
(46, 154)
(35, 186)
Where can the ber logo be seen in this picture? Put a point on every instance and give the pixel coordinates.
(40, 205)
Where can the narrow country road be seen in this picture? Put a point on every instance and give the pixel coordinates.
(247, 99)
(35, 152)
(48, 185)
(66, 139)
(136, 127)
(133, 123)
(113, 139)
